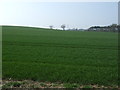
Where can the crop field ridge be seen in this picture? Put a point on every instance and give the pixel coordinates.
(60, 45)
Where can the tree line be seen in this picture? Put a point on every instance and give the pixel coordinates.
(110, 28)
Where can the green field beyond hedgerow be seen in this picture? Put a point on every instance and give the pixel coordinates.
(60, 56)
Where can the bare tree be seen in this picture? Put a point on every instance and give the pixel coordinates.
(63, 26)
(51, 27)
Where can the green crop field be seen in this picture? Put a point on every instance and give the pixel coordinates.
(60, 56)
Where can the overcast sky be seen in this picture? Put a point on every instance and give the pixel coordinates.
(72, 14)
